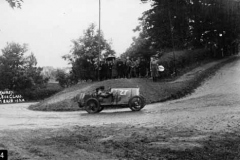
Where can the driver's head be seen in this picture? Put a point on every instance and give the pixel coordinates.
(101, 88)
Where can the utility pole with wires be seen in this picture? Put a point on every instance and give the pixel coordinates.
(173, 46)
(99, 40)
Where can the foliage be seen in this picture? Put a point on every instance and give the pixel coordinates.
(184, 59)
(15, 3)
(44, 92)
(183, 24)
(38, 93)
(140, 47)
(63, 78)
(19, 72)
(85, 53)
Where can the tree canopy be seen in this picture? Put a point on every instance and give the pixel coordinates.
(85, 53)
(189, 24)
(19, 72)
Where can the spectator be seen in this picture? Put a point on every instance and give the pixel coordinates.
(120, 68)
(114, 69)
(125, 68)
(104, 70)
(154, 69)
(148, 74)
(109, 69)
(101, 73)
(133, 69)
(142, 67)
(137, 67)
(128, 66)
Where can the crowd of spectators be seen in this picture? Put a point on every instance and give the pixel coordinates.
(127, 68)
(123, 68)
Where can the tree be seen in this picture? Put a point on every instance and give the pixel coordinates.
(15, 3)
(140, 47)
(85, 53)
(62, 77)
(192, 23)
(18, 72)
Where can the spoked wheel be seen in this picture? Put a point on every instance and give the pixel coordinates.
(100, 109)
(92, 106)
(136, 103)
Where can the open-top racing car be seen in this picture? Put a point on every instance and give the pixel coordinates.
(97, 100)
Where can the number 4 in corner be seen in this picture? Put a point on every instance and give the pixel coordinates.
(3, 155)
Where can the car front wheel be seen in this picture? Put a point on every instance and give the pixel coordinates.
(136, 103)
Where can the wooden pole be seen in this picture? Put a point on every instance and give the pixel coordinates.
(173, 46)
(99, 39)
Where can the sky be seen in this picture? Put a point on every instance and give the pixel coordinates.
(48, 26)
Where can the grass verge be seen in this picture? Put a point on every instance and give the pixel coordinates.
(126, 142)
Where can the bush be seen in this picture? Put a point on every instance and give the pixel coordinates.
(63, 78)
(182, 59)
(38, 94)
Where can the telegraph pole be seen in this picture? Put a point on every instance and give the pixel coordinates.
(99, 39)
(173, 46)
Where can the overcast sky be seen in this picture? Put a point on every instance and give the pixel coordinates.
(48, 26)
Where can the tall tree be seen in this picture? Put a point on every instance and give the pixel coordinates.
(140, 47)
(192, 23)
(17, 71)
(85, 52)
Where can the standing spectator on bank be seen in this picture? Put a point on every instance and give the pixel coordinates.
(148, 74)
(125, 68)
(137, 67)
(142, 68)
(120, 68)
(101, 72)
(128, 66)
(109, 69)
(133, 69)
(95, 69)
(114, 69)
(154, 69)
(104, 70)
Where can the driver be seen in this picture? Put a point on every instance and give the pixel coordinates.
(103, 93)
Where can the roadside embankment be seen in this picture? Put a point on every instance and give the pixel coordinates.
(163, 90)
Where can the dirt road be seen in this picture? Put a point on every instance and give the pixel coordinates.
(171, 130)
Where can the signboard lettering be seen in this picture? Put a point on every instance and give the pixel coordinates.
(10, 97)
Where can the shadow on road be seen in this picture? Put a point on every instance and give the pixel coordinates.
(114, 113)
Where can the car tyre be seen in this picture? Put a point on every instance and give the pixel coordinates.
(136, 103)
(92, 106)
(100, 109)
(80, 105)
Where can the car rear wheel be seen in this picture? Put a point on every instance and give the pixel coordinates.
(80, 105)
(92, 106)
(100, 109)
(136, 103)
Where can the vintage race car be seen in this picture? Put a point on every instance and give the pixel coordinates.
(123, 97)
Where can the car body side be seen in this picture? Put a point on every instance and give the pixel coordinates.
(121, 96)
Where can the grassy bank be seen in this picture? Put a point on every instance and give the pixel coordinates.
(163, 90)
